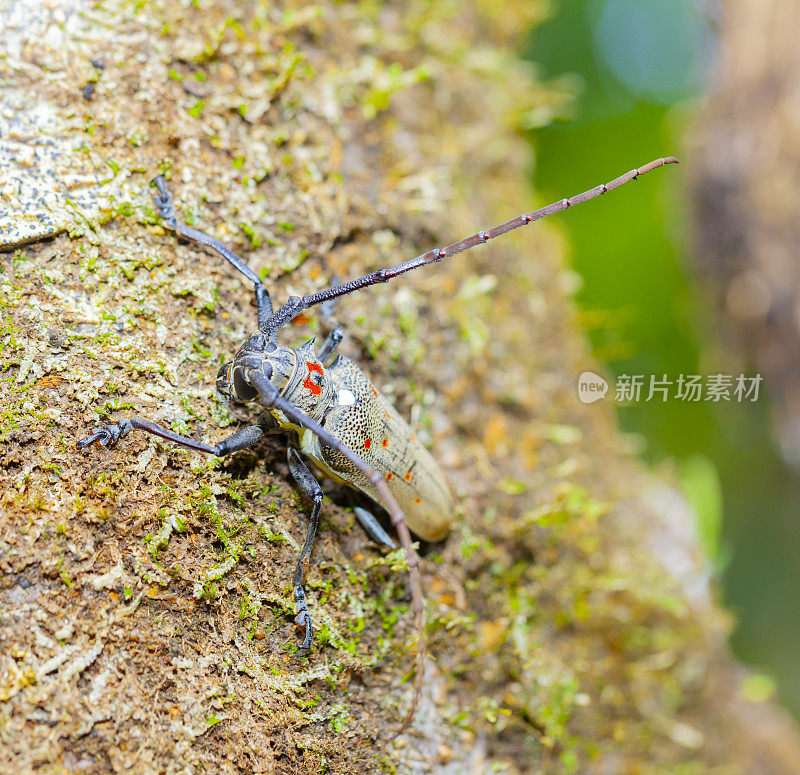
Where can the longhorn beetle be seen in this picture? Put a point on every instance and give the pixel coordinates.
(342, 423)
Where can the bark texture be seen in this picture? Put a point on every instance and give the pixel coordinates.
(145, 613)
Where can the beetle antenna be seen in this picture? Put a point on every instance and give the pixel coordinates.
(432, 256)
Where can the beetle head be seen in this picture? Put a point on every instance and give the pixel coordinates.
(275, 361)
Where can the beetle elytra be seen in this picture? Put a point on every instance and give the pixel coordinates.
(341, 422)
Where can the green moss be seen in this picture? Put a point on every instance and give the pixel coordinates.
(386, 82)
(18, 409)
(340, 719)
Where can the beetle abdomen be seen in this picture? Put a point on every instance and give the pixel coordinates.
(364, 420)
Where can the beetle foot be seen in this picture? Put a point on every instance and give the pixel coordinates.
(302, 617)
(107, 436)
(163, 202)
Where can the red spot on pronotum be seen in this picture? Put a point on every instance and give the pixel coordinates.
(416, 500)
(408, 476)
(385, 442)
(367, 443)
(388, 476)
(309, 383)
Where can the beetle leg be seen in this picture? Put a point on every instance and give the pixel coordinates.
(332, 341)
(270, 398)
(108, 435)
(372, 527)
(310, 487)
(164, 205)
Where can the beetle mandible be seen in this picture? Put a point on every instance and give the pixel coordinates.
(348, 430)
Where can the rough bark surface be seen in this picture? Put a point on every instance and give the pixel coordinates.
(145, 606)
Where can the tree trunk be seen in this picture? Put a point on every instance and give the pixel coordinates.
(146, 598)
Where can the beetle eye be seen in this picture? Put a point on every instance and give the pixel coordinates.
(243, 391)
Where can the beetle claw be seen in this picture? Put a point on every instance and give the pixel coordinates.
(303, 619)
(106, 436)
(90, 439)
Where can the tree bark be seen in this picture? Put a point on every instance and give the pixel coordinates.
(146, 616)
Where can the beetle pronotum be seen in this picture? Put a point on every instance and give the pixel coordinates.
(343, 424)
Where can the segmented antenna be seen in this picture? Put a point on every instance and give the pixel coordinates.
(432, 256)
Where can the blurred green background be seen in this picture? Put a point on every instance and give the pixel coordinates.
(641, 67)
